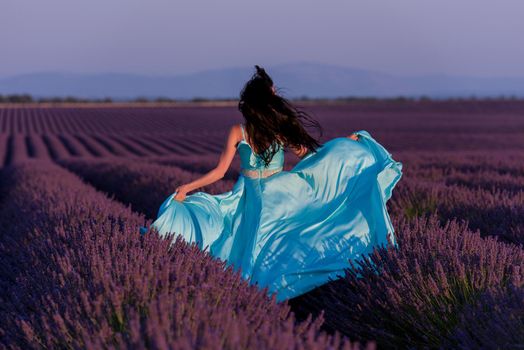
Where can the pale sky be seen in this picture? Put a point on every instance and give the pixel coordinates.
(159, 37)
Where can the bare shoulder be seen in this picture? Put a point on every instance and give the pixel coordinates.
(237, 128)
(235, 133)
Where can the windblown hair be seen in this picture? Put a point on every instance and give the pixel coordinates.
(272, 119)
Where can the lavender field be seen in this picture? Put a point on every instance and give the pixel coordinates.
(76, 182)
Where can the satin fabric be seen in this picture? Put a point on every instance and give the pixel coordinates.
(297, 229)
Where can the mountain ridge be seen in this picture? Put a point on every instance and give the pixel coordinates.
(298, 79)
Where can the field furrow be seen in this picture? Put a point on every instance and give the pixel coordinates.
(95, 148)
(16, 149)
(56, 147)
(131, 147)
(37, 148)
(74, 146)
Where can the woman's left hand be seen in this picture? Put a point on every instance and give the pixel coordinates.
(181, 193)
(354, 136)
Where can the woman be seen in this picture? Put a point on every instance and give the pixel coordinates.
(288, 230)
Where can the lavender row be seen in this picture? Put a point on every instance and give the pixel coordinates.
(499, 213)
(505, 162)
(75, 273)
(488, 194)
(490, 171)
(430, 292)
(142, 185)
(49, 220)
(17, 148)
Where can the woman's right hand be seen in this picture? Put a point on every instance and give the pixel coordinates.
(180, 193)
(180, 196)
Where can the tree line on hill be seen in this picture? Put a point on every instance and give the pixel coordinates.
(27, 98)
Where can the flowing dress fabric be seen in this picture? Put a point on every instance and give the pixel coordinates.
(297, 229)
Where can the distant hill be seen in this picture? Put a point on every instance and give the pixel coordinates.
(295, 80)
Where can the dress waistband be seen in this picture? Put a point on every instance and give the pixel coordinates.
(260, 173)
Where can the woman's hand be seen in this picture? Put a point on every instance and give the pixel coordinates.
(181, 193)
(353, 137)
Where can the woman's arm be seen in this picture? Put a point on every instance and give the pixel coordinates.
(228, 153)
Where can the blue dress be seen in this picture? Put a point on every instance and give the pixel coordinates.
(293, 230)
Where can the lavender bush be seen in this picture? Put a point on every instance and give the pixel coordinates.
(494, 321)
(488, 194)
(414, 297)
(75, 273)
(498, 213)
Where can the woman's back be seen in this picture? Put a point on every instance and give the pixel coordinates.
(251, 162)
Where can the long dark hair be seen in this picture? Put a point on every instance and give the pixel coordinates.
(271, 118)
